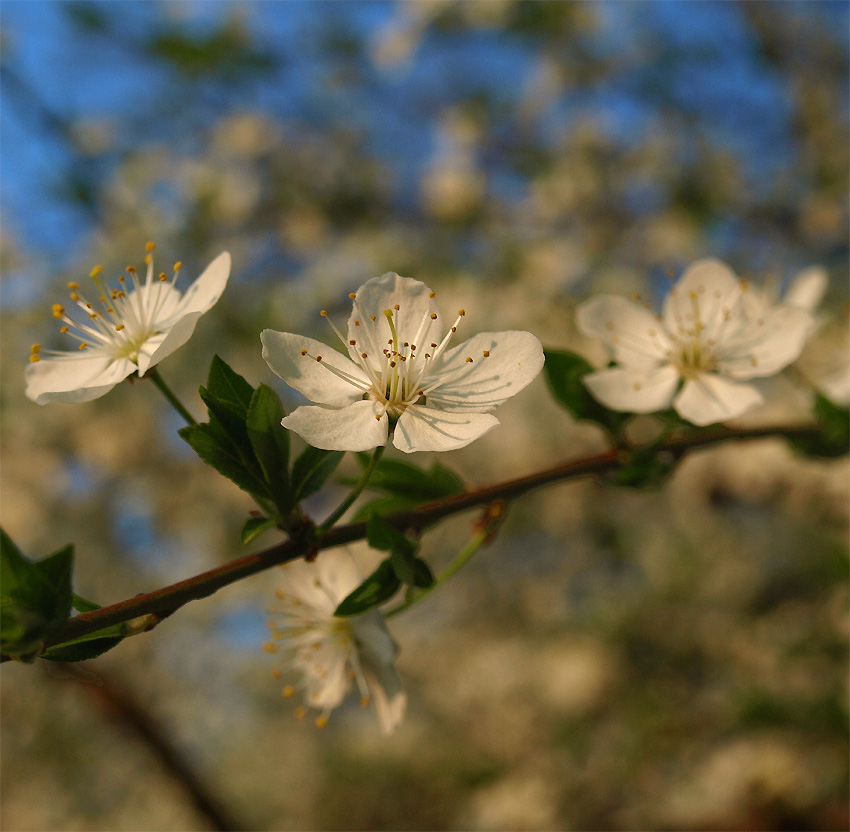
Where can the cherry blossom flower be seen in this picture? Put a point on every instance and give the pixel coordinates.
(400, 375)
(332, 653)
(127, 328)
(709, 341)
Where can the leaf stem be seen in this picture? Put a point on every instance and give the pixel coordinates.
(159, 381)
(355, 493)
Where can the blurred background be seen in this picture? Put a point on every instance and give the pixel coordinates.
(674, 659)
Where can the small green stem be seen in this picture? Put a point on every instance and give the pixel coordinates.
(158, 380)
(349, 500)
(463, 556)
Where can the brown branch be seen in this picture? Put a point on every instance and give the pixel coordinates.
(163, 602)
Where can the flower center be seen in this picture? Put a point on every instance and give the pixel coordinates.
(123, 317)
(396, 370)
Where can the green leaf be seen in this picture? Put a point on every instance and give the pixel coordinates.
(402, 478)
(81, 650)
(312, 469)
(35, 598)
(423, 577)
(834, 437)
(215, 448)
(254, 527)
(643, 468)
(270, 442)
(380, 586)
(81, 604)
(564, 373)
(387, 538)
(383, 507)
(227, 386)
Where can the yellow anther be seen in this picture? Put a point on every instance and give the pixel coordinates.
(147, 259)
(150, 247)
(352, 342)
(34, 358)
(63, 329)
(324, 313)
(119, 327)
(352, 295)
(93, 273)
(321, 721)
(754, 361)
(288, 691)
(364, 701)
(74, 296)
(372, 318)
(357, 323)
(73, 285)
(461, 312)
(396, 307)
(178, 265)
(318, 358)
(130, 270)
(35, 348)
(433, 316)
(163, 277)
(303, 352)
(83, 345)
(432, 295)
(88, 305)
(364, 355)
(300, 712)
(277, 673)
(377, 417)
(486, 353)
(58, 310)
(270, 647)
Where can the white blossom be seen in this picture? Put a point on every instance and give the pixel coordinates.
(698, 355)
(125, 328)
(332, 653)
(825, 360)
(399, 374)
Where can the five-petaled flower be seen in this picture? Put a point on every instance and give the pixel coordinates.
(126, 328)
(709, 338)
(331, 653)
(399, 374)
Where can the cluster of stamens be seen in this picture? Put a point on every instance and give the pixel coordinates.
(122, 318)
(398, 373)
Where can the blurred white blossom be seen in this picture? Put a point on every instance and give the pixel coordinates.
(698, 355)
(330, 652)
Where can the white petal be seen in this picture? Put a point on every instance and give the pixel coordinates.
(415, 307)
(73, 378)
(808, 288)
(351, 428)
(161, 346)
(282, 352)
(338, 572)
(708, 290)
(207, 289)
(766, 345)
(514, 360)
(427, 429)
(709, 398)
(633, 335)
(388, 695)
(377, 652)
(634, 391)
